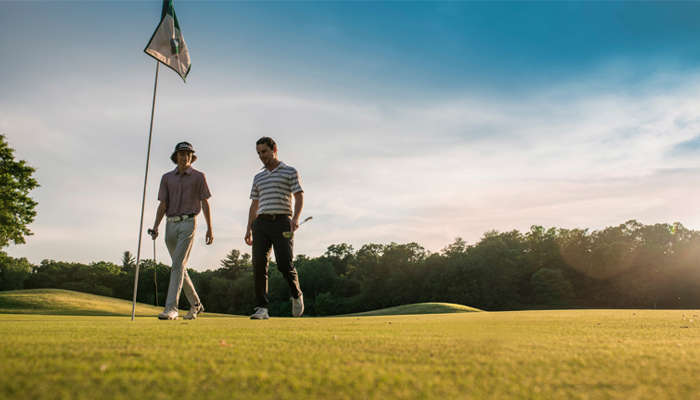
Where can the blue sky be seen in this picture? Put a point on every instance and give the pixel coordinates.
(418, 121)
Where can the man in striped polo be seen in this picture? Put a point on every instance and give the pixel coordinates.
(183, 193)
(271, 224)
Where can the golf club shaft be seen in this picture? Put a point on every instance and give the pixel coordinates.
(155, 271)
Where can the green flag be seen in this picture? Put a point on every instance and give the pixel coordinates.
(167, 44)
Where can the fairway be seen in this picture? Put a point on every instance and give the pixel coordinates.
(591, 354)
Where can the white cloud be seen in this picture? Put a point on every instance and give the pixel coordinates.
(372, 172)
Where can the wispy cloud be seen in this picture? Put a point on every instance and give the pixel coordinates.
(372, 171)
(688, 147)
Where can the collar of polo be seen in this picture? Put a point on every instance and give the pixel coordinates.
(188, 171)
(276, 168)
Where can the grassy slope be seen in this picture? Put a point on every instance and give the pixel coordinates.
(419, 308)
(68, 302)
(582, 354)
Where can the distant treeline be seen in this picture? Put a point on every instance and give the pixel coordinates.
(627, 266)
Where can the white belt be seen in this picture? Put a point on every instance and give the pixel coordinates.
(180, 218)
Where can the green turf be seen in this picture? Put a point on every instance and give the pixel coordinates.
(68, 302)
(582, 354)
(419, 308)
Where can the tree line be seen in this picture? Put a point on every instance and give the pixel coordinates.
(627, 266)
(630, 265)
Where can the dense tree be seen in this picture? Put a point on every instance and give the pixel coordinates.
(98, 278)
(16, 207)
(550, 287)
(13, 272)
(629, 265)
(236, 264)
(341, 256)
(457, 248)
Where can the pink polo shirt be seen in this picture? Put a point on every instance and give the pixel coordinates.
(184, 192)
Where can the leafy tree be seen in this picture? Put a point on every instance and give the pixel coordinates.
(128, 259)
(499, 267)
(16, 207)
(317, 276)
(341, 256)
(13, 272)
(327, 304)
(400, 274)
(367, 259)
(551, 287)
(236, 264)
(153, 275)
(458, 247)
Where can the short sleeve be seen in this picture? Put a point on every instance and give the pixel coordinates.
(254, 191)
(163, 190)
(204, 189)
(295, 182)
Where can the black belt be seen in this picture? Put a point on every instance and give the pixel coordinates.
(272, 217)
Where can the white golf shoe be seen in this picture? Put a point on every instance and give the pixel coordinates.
(260, 313)
(298, 306)
(168, 315)
(194, 311)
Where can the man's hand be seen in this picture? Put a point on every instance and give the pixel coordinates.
(160, 213)
(295, 223)
(249, 237)
(207, 217)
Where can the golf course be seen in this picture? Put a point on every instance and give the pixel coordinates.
(59, 344)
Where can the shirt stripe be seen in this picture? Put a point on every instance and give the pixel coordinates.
(274, 189)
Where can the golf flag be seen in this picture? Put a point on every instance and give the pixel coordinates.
(167, 44)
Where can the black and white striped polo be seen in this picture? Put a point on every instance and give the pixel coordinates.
(274, 189)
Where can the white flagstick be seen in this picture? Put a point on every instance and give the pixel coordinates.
(143, 200)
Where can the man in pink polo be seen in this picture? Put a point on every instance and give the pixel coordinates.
(183, 193)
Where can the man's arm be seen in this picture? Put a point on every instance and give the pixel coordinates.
(207, 217)
(251, 217)
(298, 205)
(159, 216)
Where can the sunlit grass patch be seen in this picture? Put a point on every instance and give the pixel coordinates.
(68, 302)
(420, 308)
(582, 354)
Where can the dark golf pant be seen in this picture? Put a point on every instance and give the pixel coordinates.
(268, 232)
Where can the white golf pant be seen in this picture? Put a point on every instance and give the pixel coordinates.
(179, 237)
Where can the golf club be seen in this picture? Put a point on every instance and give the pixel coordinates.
(290, 234)
(155, 264)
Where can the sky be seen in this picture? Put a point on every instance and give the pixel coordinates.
(407, 121)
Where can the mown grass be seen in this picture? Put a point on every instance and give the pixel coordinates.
(419, 308)
(68, 302)
(582, 354)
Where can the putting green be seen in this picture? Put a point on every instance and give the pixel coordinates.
(591, 354)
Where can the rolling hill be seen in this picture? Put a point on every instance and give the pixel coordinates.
(68, 302)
